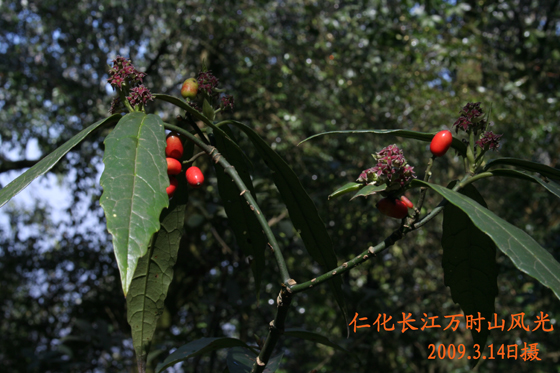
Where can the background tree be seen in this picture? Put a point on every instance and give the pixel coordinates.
(295, 69)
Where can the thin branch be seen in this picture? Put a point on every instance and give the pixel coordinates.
(278, 218)
(275, 330)
(374, 250)
(225, 247)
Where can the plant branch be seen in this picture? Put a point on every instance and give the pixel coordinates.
(246, 193)
(275, 330)
(374, 250)
(193, 158)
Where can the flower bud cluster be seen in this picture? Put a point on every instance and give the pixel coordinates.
(125, 78)
(472, 120)
(207, 82)
(489, 141)
(226, 102)
(391, 169)
(139, 95)
(124, 72)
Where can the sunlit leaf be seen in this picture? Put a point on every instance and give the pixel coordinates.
(154, 272)
(134, 183)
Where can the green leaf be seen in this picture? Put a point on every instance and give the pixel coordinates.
(347, 188)
(154, 272)
(207, 110)
(244, 224)
(469, 264)
(302, 211)
(240, 360)
(422, 136)
(369, 190)
(199, 347)
(522, 249)
(311, 336)
(542, 169)
(134, 183)
(551, 186)
(45, 164)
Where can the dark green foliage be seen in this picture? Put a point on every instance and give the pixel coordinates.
(248, 233)
(240, 360)
(469, 266)
(303, 213)
(394, 65)
(199, 347)
(521, 248)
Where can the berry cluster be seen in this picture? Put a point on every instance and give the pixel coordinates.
(173, 152)
(127, 80)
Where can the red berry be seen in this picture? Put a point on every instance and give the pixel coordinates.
(392, 207)
(407, 202)
(173, 183)
(195, 178)
(173, 166)
(441, 143)
(174, 148)
(189, 88)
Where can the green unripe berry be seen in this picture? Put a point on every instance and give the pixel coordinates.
(189, 88)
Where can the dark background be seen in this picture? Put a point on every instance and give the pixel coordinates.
(295, 68)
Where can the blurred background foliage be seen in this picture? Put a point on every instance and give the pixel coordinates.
(295, 68)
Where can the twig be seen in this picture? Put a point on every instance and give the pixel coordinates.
(278, 218)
